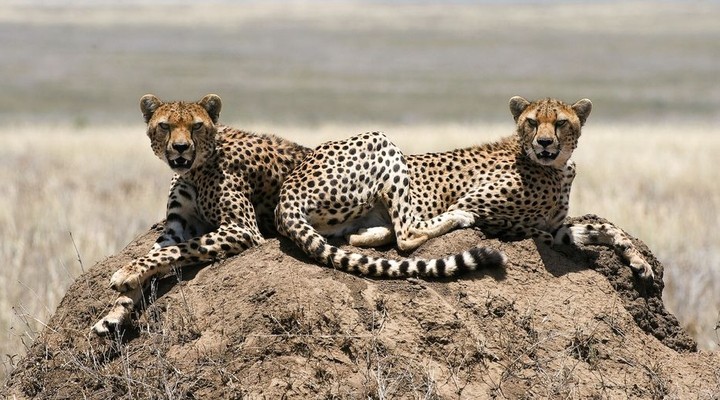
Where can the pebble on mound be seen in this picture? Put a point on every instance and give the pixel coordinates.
(271, 323)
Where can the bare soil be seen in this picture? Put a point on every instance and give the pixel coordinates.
(269, 323)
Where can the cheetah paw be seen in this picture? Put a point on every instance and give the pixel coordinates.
(115, 319)
(372, 237)
(451, 220)
(463, 219)
(412, 243)
(127, 278)
(642, 267)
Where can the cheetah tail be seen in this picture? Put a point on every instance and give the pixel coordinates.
(316, 246)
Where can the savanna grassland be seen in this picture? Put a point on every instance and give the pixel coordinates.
(80, 182)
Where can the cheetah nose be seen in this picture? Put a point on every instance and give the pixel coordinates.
(180, 147)
(545, 142)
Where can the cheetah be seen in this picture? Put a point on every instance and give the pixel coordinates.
(518, 186)
(347, 187)
(222, 196)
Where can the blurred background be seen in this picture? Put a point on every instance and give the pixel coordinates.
(79, 180)
(390, 61)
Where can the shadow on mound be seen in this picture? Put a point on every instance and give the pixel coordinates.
(641, 298)
(271, 323)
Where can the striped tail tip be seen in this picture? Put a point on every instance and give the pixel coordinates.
(477, 258)
(492, 258)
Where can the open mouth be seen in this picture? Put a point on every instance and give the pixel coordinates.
(546, 155)
(180, 163)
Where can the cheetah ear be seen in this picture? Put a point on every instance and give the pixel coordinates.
(212, 104)
(582, 108)
(517, 106)
(148, 105)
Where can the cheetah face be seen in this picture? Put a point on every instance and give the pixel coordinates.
(549, 129)
(181, 134)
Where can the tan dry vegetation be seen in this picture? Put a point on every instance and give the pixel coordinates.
(99, 186)
(104, 186)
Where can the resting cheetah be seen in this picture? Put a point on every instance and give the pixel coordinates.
(518, 186)
(356, 183)
(222, 196)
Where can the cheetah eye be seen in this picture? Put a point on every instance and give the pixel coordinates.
(560, 123)
(531, 122)
(164, 126)
(197, 126)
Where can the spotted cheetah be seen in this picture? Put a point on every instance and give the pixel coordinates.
(346, 186)
(518, 186)
(222, 197)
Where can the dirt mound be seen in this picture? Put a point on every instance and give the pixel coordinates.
(271, 324)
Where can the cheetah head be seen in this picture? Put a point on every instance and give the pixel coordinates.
(549, 129)
(182, 134)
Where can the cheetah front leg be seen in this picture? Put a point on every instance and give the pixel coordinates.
(182, 221)
(226, 241)
(444, 223)
(597, 234)
(606, 235)
(464, 213)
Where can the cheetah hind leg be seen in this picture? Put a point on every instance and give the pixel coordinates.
(607, 235)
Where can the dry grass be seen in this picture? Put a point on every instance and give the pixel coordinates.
(104, 187)
(91, 190)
